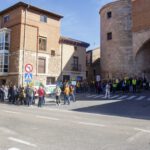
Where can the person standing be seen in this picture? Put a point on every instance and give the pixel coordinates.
(57, 94)
(66, 95)
(72, 96)
(41, 96)
(134, 82)
(107, 91)
(29, 95)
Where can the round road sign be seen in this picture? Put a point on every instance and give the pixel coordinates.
(28, 68)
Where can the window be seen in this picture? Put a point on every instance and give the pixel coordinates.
(6, 18)
(109, 15)
(43, 18)
(50, 80)
(4, 63)
(94, 72)
(109, 36)
(75, 48)
(42, 43)
(75, 63)
(4, 41)
(41, 65)
(52, 53)
(87, 73)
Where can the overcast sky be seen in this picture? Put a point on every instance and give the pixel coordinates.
(81, 17)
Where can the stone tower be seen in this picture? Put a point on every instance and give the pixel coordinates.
(116, 39)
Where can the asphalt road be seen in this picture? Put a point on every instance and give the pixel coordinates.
(85, 125)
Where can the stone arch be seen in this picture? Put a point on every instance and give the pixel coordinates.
(142, 60)
(139, 39)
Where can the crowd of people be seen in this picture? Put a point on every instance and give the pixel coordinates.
(21, 95)
(116, 85)
(27, 95)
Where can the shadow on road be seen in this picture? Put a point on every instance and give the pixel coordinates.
(125, 108)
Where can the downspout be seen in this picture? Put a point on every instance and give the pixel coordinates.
(25, 19)
(61, 61)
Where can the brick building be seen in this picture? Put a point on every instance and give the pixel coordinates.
(125, 39)
(93, 64)
(29, 35)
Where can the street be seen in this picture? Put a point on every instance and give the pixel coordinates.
(91, 123)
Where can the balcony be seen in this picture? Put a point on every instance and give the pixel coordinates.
(75, 67)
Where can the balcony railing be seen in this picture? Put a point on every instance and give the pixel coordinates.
(76, 67)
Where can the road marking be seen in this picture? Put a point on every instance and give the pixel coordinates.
(22, 142)
(91, 95)
(91, 124)
(131, 97)
(11, 112)
(142, 130)
(49, 118)
(134, 137)
(6, 130)
(115, 96)
(148, 99)
(13, 148)
(122, 97)
(98, 96)
(140, 98)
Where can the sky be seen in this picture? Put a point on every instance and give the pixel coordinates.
(81, 17)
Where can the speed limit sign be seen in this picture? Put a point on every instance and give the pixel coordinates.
(28, 68)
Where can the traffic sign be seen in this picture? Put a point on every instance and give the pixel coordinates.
(28, 68)
(28, 76)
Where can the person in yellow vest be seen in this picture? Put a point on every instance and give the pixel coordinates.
(114, 86)
(134, 84)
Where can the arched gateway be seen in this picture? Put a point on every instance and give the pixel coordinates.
(142, 60)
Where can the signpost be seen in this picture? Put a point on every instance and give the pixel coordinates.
(28, 75)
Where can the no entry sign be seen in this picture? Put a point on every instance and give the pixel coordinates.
(28, 68)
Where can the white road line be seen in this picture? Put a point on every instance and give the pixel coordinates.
(91, 95)
(11, 112)
(22, 142)
(131, 97)
(98, 96)
(91, 124)
(115, 96)
(13, 148)
(142, 130)
(123, 97)
(140, 98)
(148, 99)
(49, 118)
(134, 137)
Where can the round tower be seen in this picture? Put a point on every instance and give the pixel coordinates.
(116, 39)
